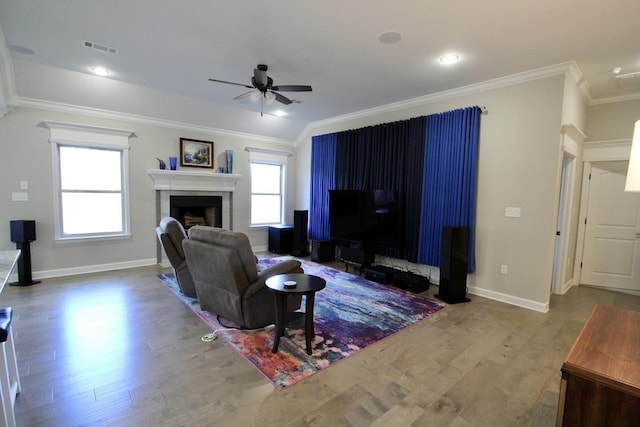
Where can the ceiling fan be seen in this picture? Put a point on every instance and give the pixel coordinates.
(263, 90)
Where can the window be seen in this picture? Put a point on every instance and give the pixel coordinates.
(90, 190)
(266, 193)
(267, 185)
(91, 195)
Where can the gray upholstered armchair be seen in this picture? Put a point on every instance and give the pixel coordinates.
(227, 280)
(171, 234)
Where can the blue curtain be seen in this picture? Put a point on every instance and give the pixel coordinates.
(323, 176)
(449, 180)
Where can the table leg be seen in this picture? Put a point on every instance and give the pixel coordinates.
(309, 332)
(280, 321)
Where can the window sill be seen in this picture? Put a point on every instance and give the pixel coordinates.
(79, 239)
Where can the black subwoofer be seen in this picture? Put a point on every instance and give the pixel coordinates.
(323, 250)
(453, 265)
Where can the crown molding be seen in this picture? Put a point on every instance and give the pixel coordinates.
(577, 77)
(614, 99)
(151, 121)
(606, 150)
(602, 143)
(497, 83)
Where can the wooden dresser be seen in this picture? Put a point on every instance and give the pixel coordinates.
(601, 374)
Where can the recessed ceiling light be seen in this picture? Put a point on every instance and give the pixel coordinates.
(450, 58)
(390, 37)
(280, 113)
(616, 70)
(100, 71)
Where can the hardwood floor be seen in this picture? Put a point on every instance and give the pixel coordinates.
(119, 348)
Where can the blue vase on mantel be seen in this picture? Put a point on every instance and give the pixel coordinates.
(229, 155)
(161, 164)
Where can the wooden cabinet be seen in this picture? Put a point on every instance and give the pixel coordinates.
(601, 374)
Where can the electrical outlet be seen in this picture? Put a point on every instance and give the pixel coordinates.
(504, 269)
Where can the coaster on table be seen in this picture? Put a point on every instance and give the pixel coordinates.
(289, 284)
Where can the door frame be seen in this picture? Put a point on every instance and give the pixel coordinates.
(572, 140)
(594, 152)
(563, 226)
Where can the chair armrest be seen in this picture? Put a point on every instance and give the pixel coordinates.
(284, 267)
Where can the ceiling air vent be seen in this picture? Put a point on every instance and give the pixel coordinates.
(100, 47)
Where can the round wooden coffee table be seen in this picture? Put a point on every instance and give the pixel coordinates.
(306, 285)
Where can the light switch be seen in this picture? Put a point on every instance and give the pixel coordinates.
(512, 212)
(24, 185)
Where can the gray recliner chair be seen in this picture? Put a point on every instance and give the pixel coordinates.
(171, 234)
(227, 280)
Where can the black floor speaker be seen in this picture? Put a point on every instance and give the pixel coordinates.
(300, 233)
(453, 265)
(23, 232)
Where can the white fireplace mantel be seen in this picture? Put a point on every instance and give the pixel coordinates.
(169, 183)
(183, 180)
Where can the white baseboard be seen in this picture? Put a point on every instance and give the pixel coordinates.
(47, 274)
(509, 299)
(566, 286)
(260, 248)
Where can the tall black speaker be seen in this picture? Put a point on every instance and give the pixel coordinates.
(23, 232)
(453, 265)
(300, 233)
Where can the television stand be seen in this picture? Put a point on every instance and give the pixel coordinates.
(354, 256)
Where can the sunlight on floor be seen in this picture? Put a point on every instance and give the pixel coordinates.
(89, 318)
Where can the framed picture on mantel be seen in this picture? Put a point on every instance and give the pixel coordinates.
(196, 153)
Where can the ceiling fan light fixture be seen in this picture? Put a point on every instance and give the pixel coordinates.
(255, 96)
(269, 97)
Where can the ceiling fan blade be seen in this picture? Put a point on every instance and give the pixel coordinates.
(283, 99)
(231, 83)
(292, 88)
(243, 96)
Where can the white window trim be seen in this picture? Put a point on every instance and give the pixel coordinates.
(271, 157)
(264, 155)
(69, 134)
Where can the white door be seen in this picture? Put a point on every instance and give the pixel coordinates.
(611, 255)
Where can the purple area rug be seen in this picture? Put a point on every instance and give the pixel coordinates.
(351, 313)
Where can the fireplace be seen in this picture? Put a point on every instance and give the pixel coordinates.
(200, 196)
(196, 210)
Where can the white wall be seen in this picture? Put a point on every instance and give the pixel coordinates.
(518, 167)
(612, 121)
(26, 155)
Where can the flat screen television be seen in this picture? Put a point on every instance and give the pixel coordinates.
(369, 217)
